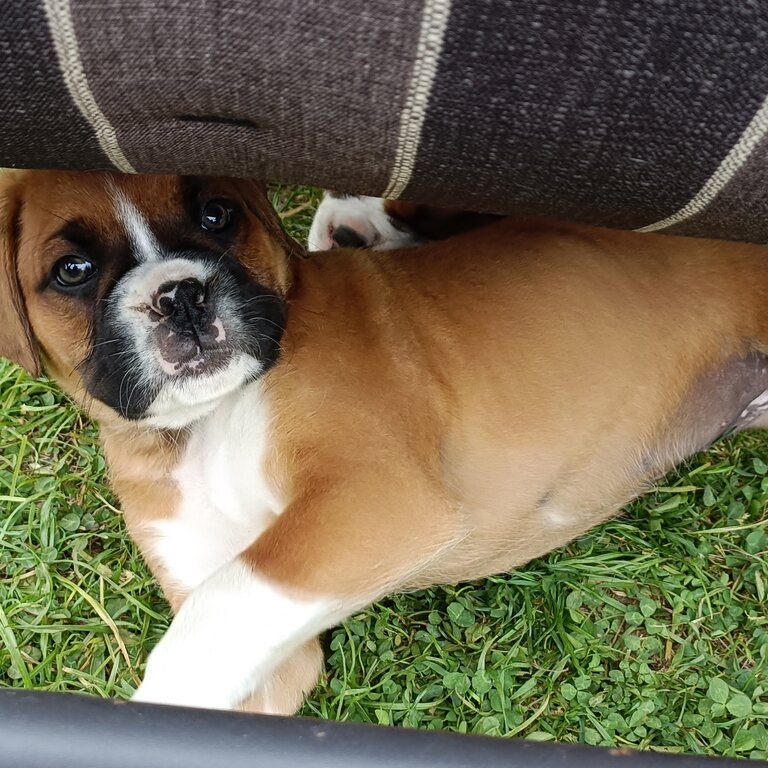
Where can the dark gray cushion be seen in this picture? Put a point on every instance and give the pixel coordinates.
(630, 113)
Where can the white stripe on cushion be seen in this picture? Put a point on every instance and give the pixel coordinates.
(430, 45)
(62, 28)
(727, 169)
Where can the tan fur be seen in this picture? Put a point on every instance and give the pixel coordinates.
(441, 413)
(522, 361)
(17, 339)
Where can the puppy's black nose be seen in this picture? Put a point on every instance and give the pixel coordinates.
(181, 302)
(345, 237)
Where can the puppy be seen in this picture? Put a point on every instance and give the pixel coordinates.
(357, 221)
(294, 438)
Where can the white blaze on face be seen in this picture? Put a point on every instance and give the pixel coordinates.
(139, 286)
(145, 246)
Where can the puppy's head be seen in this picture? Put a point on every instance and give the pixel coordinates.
(152, 295)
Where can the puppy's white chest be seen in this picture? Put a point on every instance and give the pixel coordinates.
(226, 500)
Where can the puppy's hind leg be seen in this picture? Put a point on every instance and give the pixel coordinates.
(285, 688)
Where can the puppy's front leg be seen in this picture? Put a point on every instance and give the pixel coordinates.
(322, 560)
(229, 634)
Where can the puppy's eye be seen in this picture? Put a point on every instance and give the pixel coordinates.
(72, 271)
(217, 215)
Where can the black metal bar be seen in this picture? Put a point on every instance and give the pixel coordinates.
(46, 730)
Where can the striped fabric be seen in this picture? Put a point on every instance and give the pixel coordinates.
(643, 114)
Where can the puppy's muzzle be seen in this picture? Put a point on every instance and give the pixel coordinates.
(190, 339)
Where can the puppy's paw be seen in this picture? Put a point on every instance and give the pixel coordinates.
(356, 221)
(176, 695)
(181, 685)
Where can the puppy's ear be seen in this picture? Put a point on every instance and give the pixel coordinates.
(259, 204)
(16, 340)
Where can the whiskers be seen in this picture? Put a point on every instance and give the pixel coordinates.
(102, 362)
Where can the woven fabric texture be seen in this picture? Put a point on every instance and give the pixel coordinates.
(643, 114)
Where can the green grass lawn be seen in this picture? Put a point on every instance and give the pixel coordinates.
(649, 631)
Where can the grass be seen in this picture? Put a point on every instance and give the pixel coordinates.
(649, 631)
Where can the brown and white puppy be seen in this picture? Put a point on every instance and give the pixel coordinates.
(358, 221)
(292, 439)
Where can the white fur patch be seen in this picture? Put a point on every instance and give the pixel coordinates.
(365, 215)
(226, 501)
(234, 627)
(143, 241)
(230, 633)
(185, 400)
(554, 515)
(137, 286)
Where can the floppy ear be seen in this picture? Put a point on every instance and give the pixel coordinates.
(16, 340)
(266, 213)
